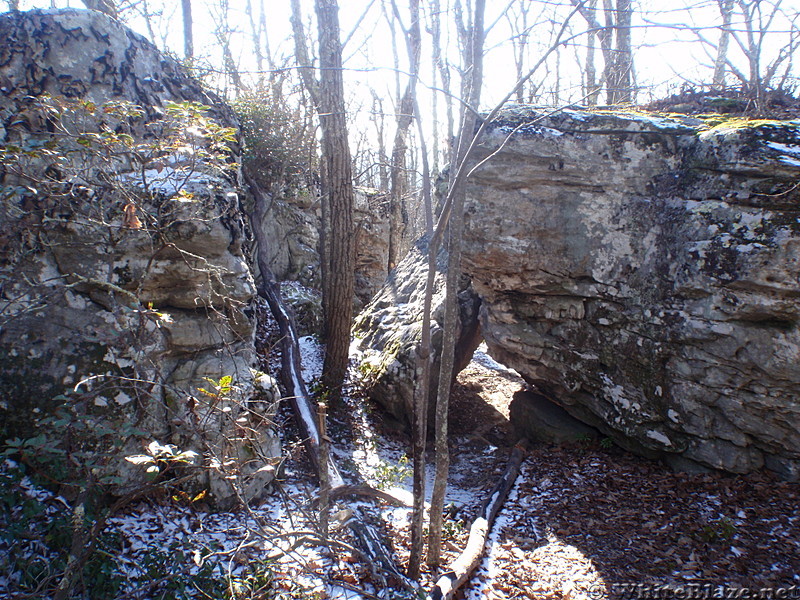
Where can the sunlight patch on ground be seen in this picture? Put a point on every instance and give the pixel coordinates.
(481, 356)
(553, 569)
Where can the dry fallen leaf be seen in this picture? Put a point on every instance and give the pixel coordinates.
(130, 220)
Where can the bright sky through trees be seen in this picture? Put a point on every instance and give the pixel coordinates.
(667, 52)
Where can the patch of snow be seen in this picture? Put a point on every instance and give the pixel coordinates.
(311, 357)
(481, 356)
(789, 160)
(784, 148)
(490, 566)
(659, 437)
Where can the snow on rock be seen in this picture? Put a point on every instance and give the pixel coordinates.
(641, 272)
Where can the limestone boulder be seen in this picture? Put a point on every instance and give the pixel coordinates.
(642, 272)
(126, 297)
(388, 331)
(292, 223)
(372, 244)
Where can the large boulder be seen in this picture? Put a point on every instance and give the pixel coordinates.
(126, 300)
(372, 244)
(389, 329)
(292, 222)
(642, 272)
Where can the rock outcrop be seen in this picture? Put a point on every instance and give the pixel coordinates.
(644, 274)
(389, 329)
(293, 221)
(125, 294)
(372, 244)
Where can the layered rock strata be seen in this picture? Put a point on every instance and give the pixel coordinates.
(292, 221)
(644, 274)
(125, 293)
(389, 329)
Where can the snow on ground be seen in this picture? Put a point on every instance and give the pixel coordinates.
(581, 522)
(311, 358)
(481, 356)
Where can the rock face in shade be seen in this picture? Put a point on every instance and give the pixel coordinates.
(293, 221)
(389, 329)
(372, 244)
(644, 274)
(124, 288)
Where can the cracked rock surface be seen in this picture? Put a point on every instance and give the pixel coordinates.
(125, 290)
(644, 273)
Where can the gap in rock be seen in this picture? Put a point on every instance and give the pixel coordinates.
(480, 401)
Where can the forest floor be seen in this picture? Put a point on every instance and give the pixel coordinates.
(584, 520)
(589, 520)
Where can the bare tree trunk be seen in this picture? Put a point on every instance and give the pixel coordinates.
(255, 37)
(188, 38)
(474, 68)
(607, 47)
(398, 210)
(379, 118)
(592, 90)
(519, 40)
(148, 20)
(338, 188)
(223, 35)
(434, 117)
(444, 73)
(623, 63)
(337, 235)
(604, 34)
(726, 10)
(324, 475)
(427, 202)
(557, 83)
(752, 51)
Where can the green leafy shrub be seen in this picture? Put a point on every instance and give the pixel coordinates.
(280, 140)
(36, 539)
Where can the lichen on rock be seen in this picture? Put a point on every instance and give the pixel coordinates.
(125, 287)
(642, 272)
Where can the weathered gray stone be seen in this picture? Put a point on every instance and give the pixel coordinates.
(372, 244)
(643, 273)
(389, 329)
(124, 288)
(292, 223)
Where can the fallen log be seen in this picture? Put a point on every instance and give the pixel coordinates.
(369, 492)
(369, 539)
(269, 289)
(466, 562)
